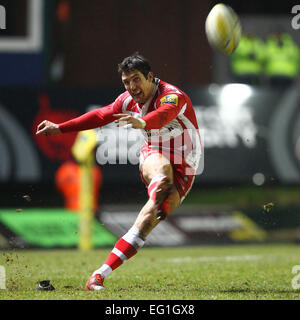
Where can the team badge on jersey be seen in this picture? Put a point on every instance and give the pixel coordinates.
(171, 98)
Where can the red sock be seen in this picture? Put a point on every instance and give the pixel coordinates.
(124, 249)
(120, 253)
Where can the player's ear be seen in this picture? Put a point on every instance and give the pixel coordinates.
(150, 76)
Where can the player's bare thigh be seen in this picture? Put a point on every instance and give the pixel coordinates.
(153, 165)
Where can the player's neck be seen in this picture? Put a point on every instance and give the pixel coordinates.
(151, 93)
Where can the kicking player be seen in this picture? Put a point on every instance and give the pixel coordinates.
(168, 159)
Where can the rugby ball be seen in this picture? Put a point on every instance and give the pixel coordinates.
(223, 28)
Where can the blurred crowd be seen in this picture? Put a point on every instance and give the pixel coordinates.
(275, 60)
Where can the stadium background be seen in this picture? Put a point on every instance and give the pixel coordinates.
(58, 59)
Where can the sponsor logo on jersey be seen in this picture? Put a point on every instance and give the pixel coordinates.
(171, 98)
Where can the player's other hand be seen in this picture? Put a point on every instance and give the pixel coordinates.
(126, 121)
(47, 127)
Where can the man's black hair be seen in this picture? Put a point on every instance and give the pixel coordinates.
(135, 62)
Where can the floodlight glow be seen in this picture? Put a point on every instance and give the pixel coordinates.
(232, 98)
(258, 179)
(234, 94)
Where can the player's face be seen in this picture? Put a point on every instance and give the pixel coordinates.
(138, 86)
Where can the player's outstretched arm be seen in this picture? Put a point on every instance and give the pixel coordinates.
(89, 120)
(47, 127)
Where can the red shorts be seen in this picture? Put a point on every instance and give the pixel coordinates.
(182, 181)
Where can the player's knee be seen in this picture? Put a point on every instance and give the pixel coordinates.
(166, 169)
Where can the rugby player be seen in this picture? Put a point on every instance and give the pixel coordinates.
(168, 159)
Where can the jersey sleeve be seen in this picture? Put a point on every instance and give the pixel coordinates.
(168, 107)
(93, 119)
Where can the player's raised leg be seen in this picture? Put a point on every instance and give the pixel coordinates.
(157, 172)
(163, 198)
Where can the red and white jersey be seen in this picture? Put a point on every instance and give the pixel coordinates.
(171, 124)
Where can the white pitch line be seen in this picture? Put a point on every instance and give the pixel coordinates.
(214, 258)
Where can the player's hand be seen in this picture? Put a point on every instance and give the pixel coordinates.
(127, 121)
(47, 127)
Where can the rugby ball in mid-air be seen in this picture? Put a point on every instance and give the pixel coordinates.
(223, 28)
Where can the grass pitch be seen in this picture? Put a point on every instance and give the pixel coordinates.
(259, 272)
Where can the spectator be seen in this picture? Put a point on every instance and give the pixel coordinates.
(247, 60)
(282, 59)
(68, 181)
